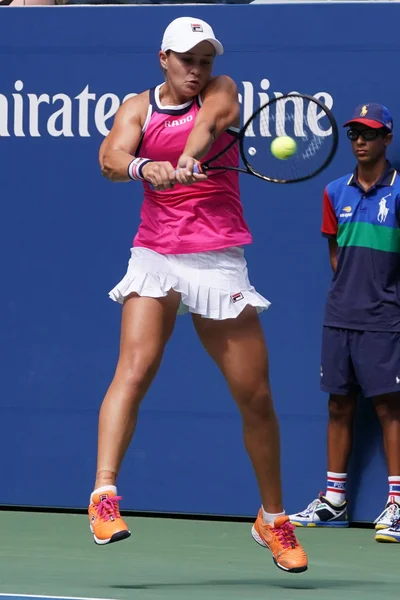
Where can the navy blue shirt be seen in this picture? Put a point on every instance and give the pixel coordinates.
(365, 290)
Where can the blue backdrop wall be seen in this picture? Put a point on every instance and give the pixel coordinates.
(65, 239)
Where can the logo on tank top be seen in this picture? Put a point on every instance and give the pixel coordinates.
(177, 122)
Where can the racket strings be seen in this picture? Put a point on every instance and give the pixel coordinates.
(309, 147)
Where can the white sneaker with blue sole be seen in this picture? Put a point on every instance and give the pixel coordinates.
(321, 513)
(390, 534)
(387, 516)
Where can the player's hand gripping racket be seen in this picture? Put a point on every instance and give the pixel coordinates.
(266, 150)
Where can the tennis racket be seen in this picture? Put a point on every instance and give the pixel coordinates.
(306, 120)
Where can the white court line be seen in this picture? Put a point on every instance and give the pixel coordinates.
(37, 596)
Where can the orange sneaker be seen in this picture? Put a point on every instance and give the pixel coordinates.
(105, 521)
(286, 551)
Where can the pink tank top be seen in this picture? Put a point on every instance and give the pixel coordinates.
(197, 218)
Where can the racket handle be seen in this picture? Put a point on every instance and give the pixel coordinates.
(195, 170)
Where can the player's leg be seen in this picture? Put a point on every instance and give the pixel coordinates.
(234, 344)
(238, 348)
(338, 379)
(147, 324)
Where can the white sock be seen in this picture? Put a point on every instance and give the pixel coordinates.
(336, 488)
(269, 518)
(394, 489)
(104, 488)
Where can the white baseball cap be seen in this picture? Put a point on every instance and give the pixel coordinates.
(185, 33)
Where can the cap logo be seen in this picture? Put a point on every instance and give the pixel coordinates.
(196, 27)
(389, 124)
(364, 111)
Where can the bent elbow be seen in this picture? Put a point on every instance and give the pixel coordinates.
(106, 168)
(106, 172)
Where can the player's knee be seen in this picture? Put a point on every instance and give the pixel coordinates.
(137, 372)
(341, 408)
(256, 403)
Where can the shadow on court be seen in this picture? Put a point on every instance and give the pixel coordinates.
(309, 584)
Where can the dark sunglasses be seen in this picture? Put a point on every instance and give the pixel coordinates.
(367, 134)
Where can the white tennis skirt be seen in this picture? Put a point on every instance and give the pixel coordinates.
(213, 284)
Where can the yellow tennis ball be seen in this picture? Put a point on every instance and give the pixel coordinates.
(283, 147)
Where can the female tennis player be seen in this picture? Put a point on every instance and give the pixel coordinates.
(188, 256)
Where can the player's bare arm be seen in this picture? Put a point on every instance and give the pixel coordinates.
(220, 110)
(118, 149)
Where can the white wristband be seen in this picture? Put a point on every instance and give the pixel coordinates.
(135, 168)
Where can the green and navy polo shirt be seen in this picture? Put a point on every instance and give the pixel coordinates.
(365, 290)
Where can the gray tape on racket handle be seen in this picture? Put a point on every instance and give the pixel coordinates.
(195, 170)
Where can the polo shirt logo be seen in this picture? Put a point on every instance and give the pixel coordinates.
(347, 211)
(383, 209)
